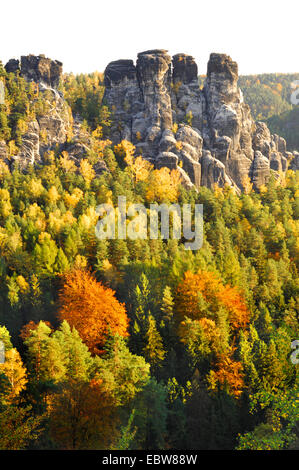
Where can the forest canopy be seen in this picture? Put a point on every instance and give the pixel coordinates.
(141, 344)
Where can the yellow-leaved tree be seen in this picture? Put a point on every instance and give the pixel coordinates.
(163, 185)
(140, 169)
(15, 373)
(125, 151)
(87, 171)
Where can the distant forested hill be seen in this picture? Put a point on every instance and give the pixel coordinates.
(269, 97)
(287, 125)
(268, 94)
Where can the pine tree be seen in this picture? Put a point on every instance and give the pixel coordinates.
(78, 360)
(127, 434)
(264, 322)
(139, 326)
(167, 306)
(154, 351)
(167, 323)
(123, 373)
(45, 355)
(151, 416)
(61, 262)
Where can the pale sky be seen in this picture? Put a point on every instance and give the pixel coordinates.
(261, 35)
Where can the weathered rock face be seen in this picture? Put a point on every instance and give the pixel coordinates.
(294, 165)
(229, 123)
(13, 65)
(184, 69)
(207, 134)
(3, 151)
(124, 97)
(54, 130)
(39, 69)
(214, 139)
(30, 149)
(50, 130)
(153, 73)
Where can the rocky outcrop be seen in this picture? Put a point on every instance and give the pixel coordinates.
(49, 131)
(54, 129)
(124, 98)
(184, 69)
(55, 124)
(12, 66)
(294, 164)
(228, 121)
(260, 169)
(38, 69)
(153, 72)
(79, 146)
(30, 149)
(3, 150)
(208, 133)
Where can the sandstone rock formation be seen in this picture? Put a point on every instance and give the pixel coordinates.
(39, 69)
(294, 165)
(55, 129)
(209, 132)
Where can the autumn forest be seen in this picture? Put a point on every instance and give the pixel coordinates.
(140, 344)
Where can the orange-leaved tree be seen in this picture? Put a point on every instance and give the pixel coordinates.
(229, 375)
(208, 287)
(209, 315)
(91, 308)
